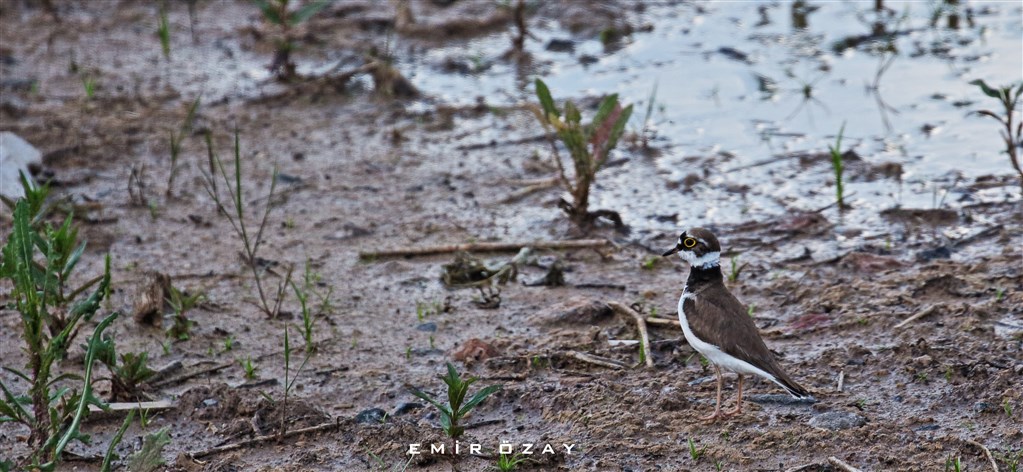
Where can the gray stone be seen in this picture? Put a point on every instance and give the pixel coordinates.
(371, 416)
(836, 420)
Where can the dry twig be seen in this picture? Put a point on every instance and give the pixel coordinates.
(926, 312)
(987, 452)
(270, 437)
(842, 465)
(644, 342)
(484, 247)
(595, 360)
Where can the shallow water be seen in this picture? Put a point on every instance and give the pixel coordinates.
(718, 114)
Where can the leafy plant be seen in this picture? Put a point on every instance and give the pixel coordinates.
(838, 168)
(507, 463)
(150, 457)
(181, 302)
(278, 12)
(128, 376)
(589, 146)
(48, 327)
(1013, 137)
(110, 454)
(456, 407)
(251, 243)
(35, 198)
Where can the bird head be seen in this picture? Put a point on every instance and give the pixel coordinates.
(698, 247)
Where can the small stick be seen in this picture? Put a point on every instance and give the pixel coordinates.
(841, 380)
(641, 323)
(528, 190)
(96, 412)
(595, 360)
(987, 452)
(802, 467)
(663, 321)
(484, 247)
(270, 437)
(842, 465)
(480, 424)
(182, 378)
(930, 310)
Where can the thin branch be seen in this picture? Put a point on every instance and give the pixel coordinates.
(842, 465)
(484, 247)
(595, 360)
(987, 452)
(926, 312)
(261, 439)
(644, 342)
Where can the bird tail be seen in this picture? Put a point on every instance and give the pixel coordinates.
(794, 389)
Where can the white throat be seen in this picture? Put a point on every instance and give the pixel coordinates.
(706, 261)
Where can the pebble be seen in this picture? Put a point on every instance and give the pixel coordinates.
(923, 360)
(371, 416)
(836, 420)
(429, 327)
(406, 408)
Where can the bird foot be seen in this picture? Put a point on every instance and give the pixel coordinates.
(733, 412)
(713, 417)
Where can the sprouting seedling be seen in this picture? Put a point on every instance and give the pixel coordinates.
(457, 407)
(89, 85)
(278, 13)
(163, 31)
(175, 142)
(733, 274)
(308, 325)
(181, 304)
(589, 146)
(509, 462)
(694, 453)
(751, 309)
(953, 464)
(1007, 407)
(647, 131)
(838, 169)
(249, 367)
(228, 343)
(1012, 136)
(289, 380)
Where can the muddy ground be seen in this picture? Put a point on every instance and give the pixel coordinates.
(364, 171)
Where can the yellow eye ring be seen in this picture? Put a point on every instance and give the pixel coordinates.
(689, 242)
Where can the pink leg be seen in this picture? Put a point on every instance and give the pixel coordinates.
(738, 403)
(717, 406)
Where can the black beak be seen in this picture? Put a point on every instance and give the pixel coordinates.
(671, 251)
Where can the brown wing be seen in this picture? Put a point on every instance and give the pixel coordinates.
(720, 313)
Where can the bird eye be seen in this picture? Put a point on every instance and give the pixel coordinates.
(689, 242)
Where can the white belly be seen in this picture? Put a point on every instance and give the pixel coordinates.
(713, 354)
